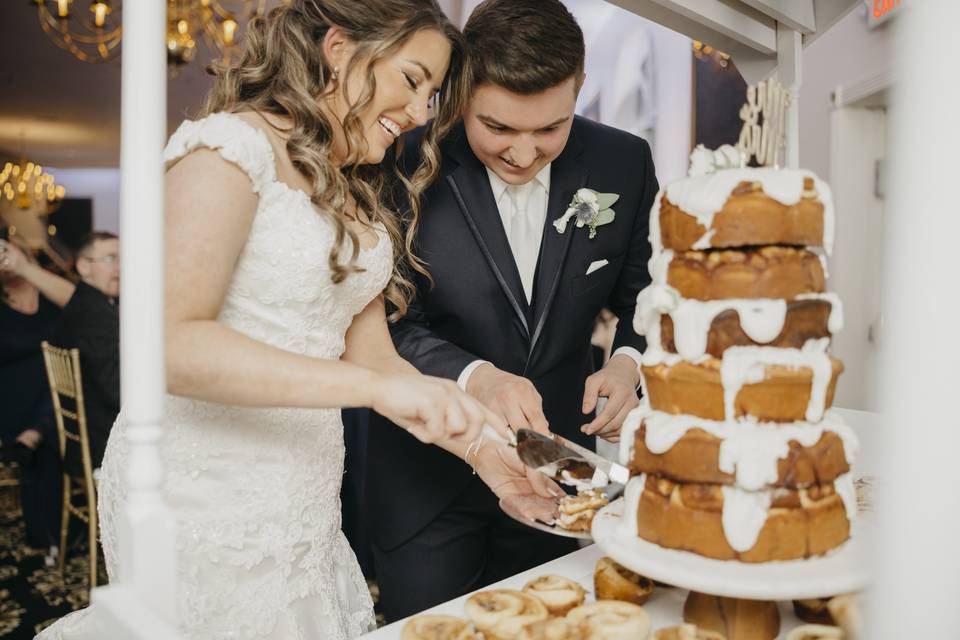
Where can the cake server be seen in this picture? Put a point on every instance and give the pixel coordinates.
(567, 461)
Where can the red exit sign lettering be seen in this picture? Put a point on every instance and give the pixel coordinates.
(879, 11)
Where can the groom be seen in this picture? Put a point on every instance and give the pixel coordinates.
(513, 301)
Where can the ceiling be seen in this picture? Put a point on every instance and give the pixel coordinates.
(67, 110)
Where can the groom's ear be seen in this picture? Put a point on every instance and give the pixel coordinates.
(581, 78)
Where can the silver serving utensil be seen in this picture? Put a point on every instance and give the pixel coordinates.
(555, 454)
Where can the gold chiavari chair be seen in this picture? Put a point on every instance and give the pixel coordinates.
(63, 373)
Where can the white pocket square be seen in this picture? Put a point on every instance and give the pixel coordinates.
(596, 264)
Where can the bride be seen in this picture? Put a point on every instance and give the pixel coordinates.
(284, 255)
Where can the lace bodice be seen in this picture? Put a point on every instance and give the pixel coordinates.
(281, 291)
(256, 490)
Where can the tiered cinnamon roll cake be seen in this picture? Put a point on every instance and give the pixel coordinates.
(736, 451)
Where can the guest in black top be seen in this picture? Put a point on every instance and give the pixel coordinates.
(91, 323)
(29, 307)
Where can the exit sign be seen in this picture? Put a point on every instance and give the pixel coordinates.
(879, 11)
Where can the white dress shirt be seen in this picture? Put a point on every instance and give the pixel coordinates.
(523, 211)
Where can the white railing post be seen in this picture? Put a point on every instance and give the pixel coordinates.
(141, 603)
(789, 68)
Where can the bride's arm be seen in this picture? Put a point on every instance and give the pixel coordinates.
(368, 344)
(209, 212)
(209, 215)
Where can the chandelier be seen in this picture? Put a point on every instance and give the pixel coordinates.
(705, 52)
(94, 35)
(26, 187)
(90, 33)
(214, 22)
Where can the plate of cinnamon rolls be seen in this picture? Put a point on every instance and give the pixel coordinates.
(550, 607)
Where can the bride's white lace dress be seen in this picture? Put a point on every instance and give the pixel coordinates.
(256, 491)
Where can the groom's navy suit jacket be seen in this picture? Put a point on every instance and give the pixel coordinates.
(477, 308)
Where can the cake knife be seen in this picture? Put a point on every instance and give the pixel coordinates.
(556, 454)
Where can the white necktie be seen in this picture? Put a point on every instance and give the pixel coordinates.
(523, 236)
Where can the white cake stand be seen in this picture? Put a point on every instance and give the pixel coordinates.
(841, 571)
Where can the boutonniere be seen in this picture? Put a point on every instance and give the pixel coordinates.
(590, 208)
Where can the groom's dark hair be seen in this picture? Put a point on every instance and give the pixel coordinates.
(524, 46)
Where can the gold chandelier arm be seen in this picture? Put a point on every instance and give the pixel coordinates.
(103, 41)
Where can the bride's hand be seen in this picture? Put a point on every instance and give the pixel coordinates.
(432, 409)
(522, 491)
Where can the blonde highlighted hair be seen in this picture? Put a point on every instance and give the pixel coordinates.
(282, 71)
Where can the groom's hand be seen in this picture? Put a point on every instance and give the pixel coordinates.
(513, 398)
(522, 491)
(617, 382)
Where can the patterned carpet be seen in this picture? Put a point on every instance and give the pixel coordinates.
(33, 595)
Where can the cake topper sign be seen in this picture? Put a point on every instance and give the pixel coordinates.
(763, 140)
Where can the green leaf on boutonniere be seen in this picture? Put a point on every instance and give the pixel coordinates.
(605, 216)
(607, 200)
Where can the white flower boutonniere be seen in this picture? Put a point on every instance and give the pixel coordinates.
(590, 208)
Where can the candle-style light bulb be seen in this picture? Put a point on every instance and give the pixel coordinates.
(101, 9)
(229, 29)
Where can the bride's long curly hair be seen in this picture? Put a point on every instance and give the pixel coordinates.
(282, 71)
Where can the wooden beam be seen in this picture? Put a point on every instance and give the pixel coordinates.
(796, 14)
(723, 24)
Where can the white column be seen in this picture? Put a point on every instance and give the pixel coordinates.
(917, 560)
(147, 553)
(789, 67)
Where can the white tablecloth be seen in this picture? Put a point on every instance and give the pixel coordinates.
(666, 605)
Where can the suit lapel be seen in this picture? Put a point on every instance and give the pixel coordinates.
(471, 188)
(567, 174)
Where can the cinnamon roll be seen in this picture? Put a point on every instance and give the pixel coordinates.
(552, 629)
(501, 613)
(559, 594)
(611, 620)
(432, 627)
(576, 512)
(687, 632)
(816, 632)
(813, 611)
(612, 581)
(846, 612)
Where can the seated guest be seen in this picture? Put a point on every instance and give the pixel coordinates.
(91, 323)
(30, 298)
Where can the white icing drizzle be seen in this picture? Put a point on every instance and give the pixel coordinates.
(844, 488)
(744, 514)
(749, 449)
(598, 480)
(704, 241)
(747, 365)
(656, 240)
(703, 196)
(631, 504)
(835, 322)
(628, 432)
(823, 261)
(762, 319)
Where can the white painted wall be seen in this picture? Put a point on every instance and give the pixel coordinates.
(102, 185)
(673, 140)
(847, 54)
(842, 146)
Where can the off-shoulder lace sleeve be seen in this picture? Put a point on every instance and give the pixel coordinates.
(235, 140)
